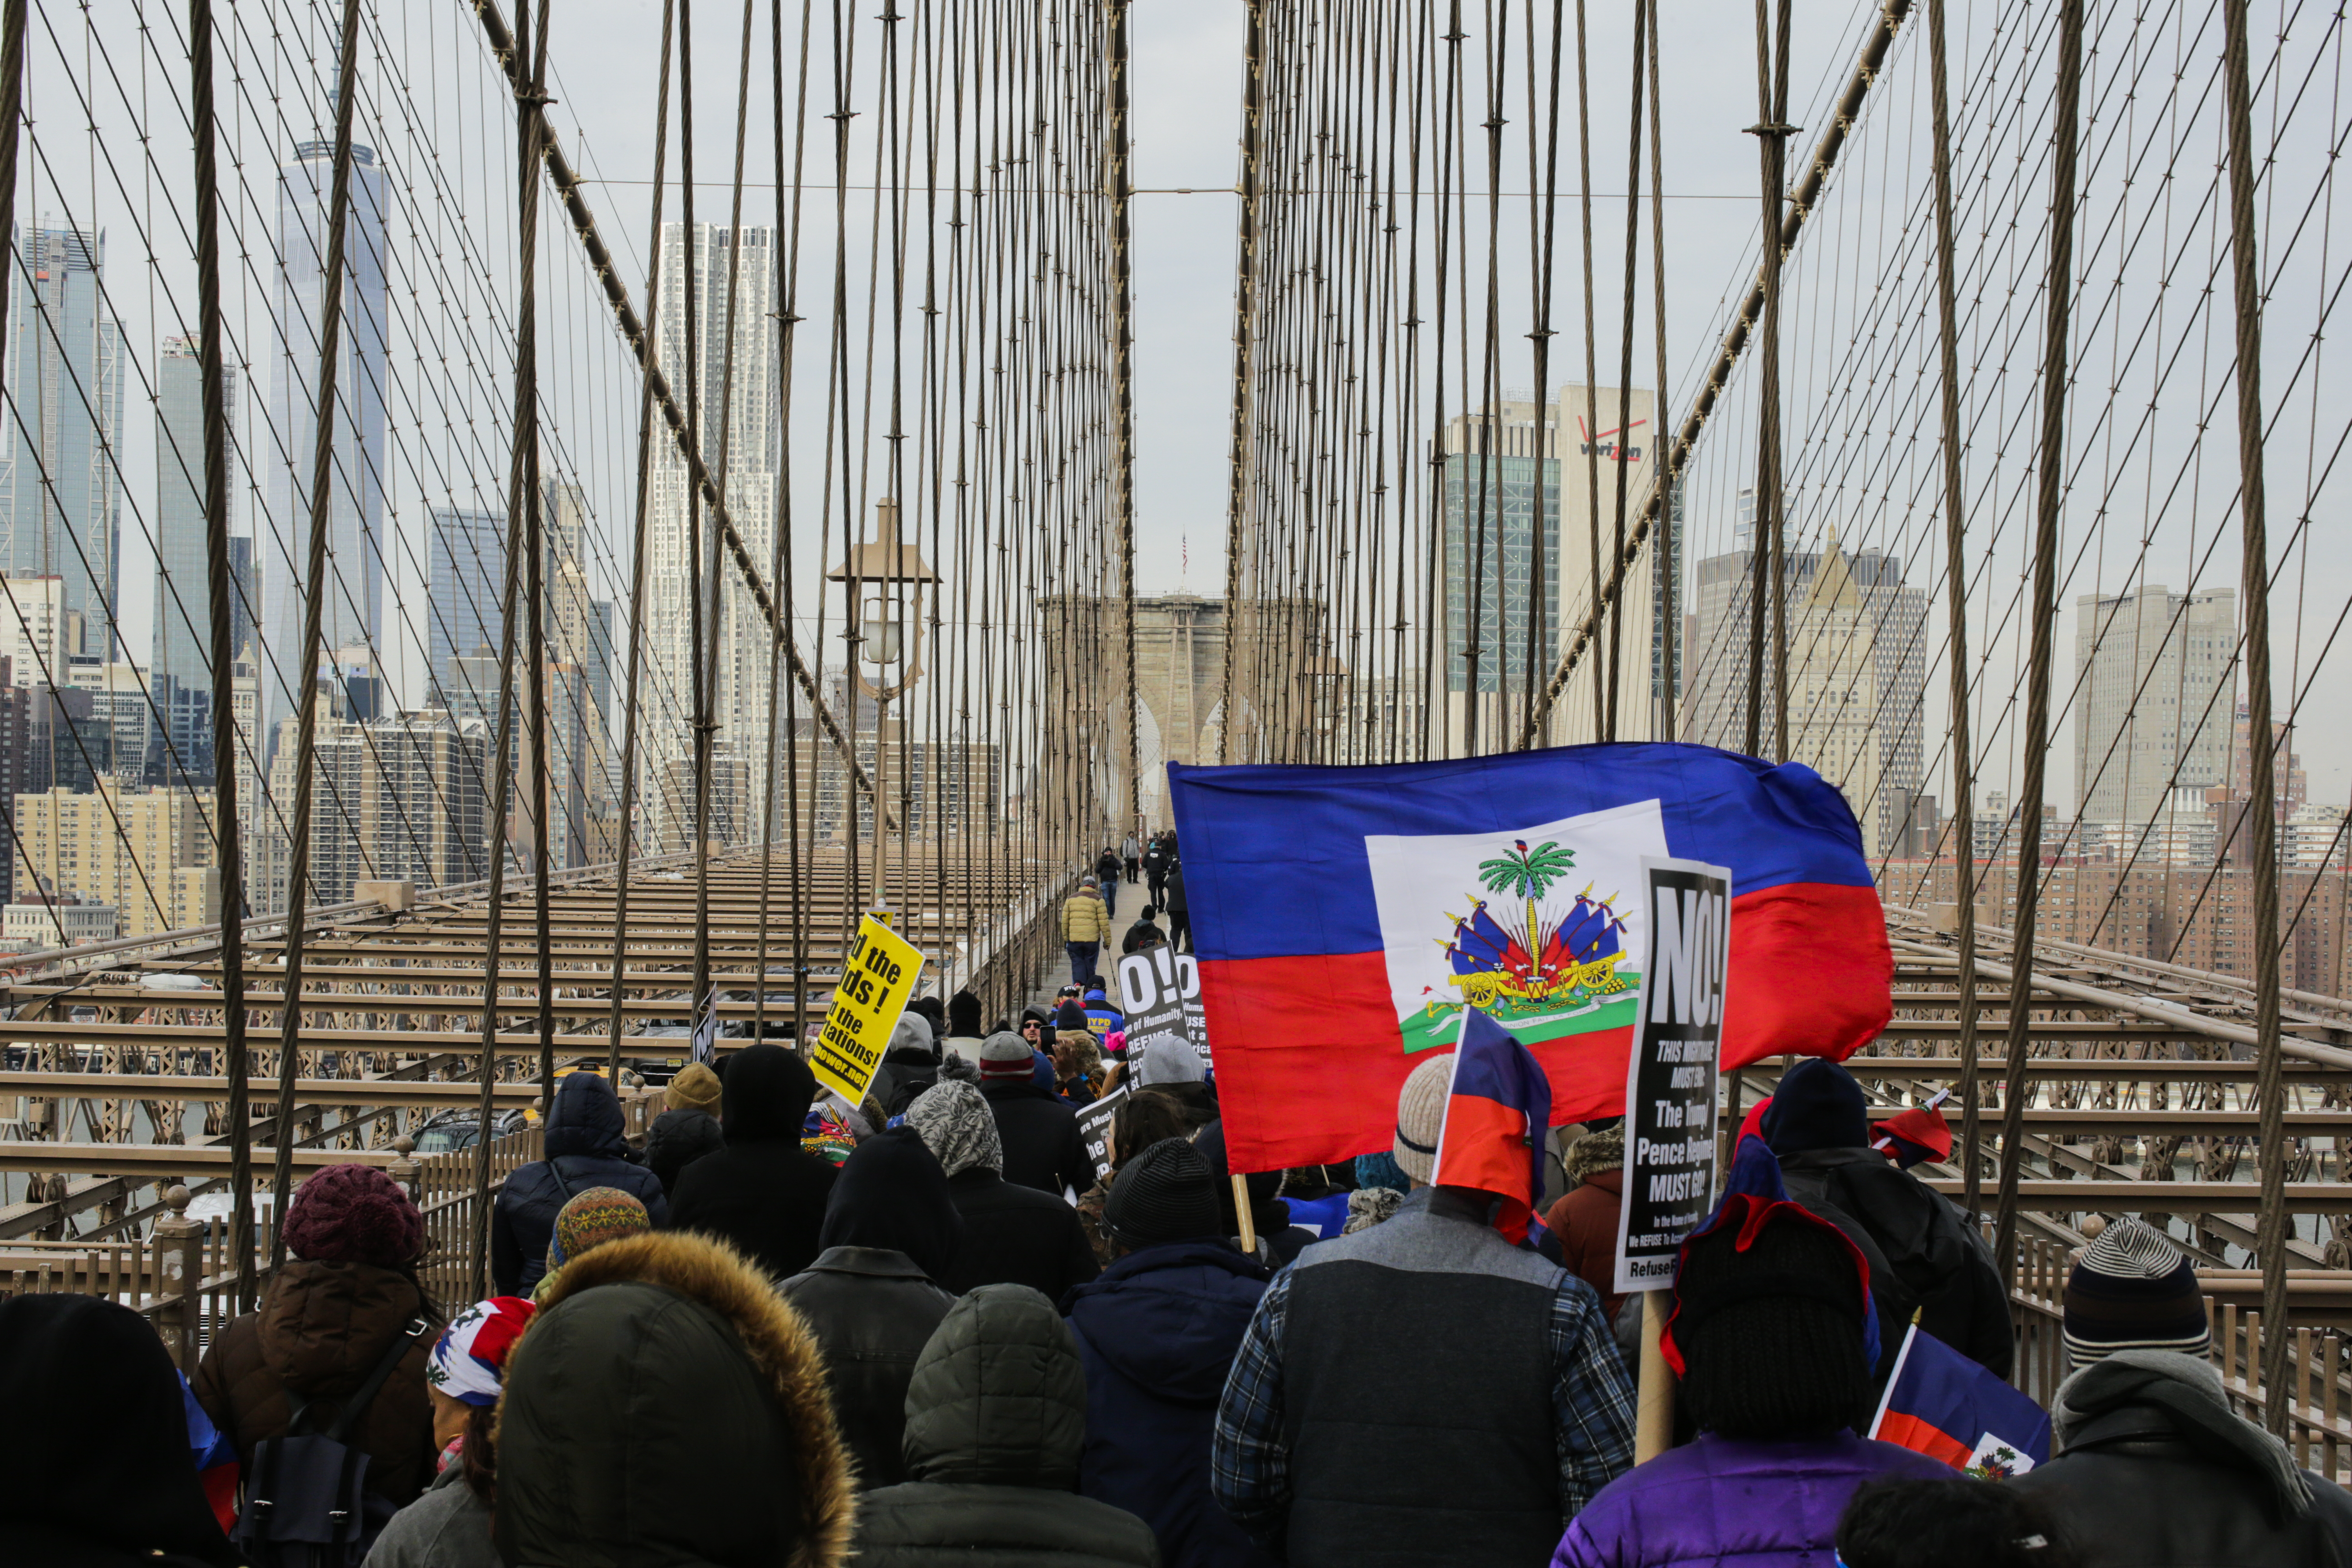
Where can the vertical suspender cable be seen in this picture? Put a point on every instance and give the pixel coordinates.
(2254, 583)
(1591, 365)
(1541, 566)
(217, 571)
(2041, 614)
(1764, 540)
(502, 751)
(314, 591)
(1668, 561)
(700, 611)
(637, 568)
(1122, 389)
(1244, 324)
(530, 109)
(779, 566)
(1964, 779)
(1626, 359)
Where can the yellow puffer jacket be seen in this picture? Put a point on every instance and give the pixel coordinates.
(1084, 919)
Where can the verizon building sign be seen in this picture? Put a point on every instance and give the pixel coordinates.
(1669, 1074)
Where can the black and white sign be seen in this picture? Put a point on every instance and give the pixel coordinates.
(1160, 993)
(1094, 1130)
(1670, 1073)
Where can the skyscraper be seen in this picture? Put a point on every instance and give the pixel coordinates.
(60, 495)
(355, 545)
(1857, 675)
(181, 672)
(745, 401)
(2157, 677)
(467, 555)
(1495, 464)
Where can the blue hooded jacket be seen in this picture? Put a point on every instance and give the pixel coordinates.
(585, 1148)
(1157, 1334)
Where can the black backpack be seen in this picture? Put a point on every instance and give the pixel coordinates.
(307, 1503)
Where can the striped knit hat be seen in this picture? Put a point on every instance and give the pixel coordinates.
(2133, 1291)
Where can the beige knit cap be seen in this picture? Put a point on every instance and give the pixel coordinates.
(696, 1087)
(1421, 1115)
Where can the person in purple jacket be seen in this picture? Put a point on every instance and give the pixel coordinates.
(1770, 1333)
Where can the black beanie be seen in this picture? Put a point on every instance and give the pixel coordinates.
(1772, 1337)
(1817, 1106)
(963, 1016)
(1165, 1193)
(765, 1096)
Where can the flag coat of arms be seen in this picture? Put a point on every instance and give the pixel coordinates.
(1347, 919)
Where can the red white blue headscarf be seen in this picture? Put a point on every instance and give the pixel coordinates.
(470, 1359)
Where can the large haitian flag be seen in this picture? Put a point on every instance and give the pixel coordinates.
(1345, 917)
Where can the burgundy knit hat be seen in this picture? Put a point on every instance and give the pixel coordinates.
(353, 1213)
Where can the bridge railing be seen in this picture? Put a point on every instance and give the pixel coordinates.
(182, 1275)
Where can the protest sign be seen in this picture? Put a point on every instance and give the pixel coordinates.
(1094, 1130)
(1160, 993)
(1670, 1073)
(878, 980)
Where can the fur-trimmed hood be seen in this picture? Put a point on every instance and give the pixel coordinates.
(666, 1406)
(1595, 1152)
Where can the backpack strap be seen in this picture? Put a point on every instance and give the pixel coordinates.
(365, 1396)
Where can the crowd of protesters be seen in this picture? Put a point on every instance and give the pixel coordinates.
(941, 1327)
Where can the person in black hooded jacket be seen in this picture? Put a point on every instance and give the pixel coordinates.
(95, 1467)
(763, 1193)
(688, 1128)
(584, 1149)
(1923, 1259)
(890, 1231)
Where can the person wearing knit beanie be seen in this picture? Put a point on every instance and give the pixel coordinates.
(1499, 1347)
(955, 1123)
(696, 1087)
(353, 1213)
(1819, 1105)
(591, 1219)
(1158, 1333)
(1005, 1057)
(1771, 1330)
(1012, 1234)
(2133, 1289)
(1421, 1116)
(1164, 1194)
(688, 1128)
(345, 1299)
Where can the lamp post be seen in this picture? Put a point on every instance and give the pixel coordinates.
(883, 581)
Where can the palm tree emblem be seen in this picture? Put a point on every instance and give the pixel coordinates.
(1529, 874)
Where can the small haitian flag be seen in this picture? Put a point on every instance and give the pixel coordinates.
(1349, 919)
(1495, 1113)
(1942, 1404)
(215, 1459)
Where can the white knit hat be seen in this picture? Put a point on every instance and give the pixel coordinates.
(1421, 1115)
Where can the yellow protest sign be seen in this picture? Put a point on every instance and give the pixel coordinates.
(876, 982)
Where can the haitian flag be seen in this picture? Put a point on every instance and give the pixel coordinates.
(1348, 920)
(1497, 1105)
(1942, 1404)
(215, 1459)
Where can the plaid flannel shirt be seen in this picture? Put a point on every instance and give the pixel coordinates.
(1592, 1405)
